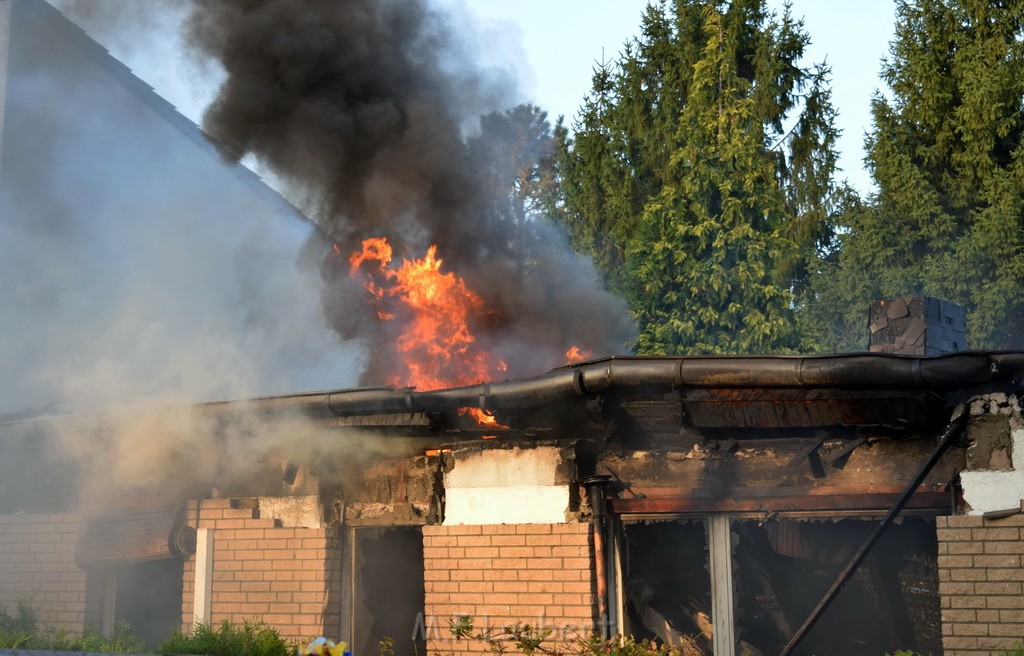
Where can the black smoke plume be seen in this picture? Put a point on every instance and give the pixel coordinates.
(370, 111)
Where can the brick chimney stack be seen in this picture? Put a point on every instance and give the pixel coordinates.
(917, 325)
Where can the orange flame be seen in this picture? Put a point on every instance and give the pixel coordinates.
(576, 354)
(438, 348)
(482, 417)
(433, 311)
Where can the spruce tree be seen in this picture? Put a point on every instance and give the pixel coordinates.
(946, 154)
(699, 176)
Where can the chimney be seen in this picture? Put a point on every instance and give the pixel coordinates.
(917, 325)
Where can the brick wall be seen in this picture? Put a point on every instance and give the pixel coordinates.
(37, 564)
(980, 583)
(537, 574)
(288, 577)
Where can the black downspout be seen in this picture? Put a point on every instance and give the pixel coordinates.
(952, 430)
(596, 486)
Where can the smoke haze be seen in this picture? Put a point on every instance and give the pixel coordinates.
(135, 264)
(140, 267)
(364, 109)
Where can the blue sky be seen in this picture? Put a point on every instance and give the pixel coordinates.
(561, 41)
(551, 46)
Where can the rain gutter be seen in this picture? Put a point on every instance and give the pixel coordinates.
(852, 371)
(938, 373)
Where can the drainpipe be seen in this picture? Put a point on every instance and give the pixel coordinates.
(596, 486)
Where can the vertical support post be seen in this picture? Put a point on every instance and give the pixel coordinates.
(202, 599)
(723, 640)
(619, 626)
(107, 619)
(595, 486)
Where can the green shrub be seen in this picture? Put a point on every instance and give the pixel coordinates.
(530, 641)
(21, 631)
(253, 638)
(121, 641)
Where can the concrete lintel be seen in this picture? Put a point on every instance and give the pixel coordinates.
(519, 504)
(506, 467)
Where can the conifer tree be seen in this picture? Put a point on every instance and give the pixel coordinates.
(699, 176)
(946, 154)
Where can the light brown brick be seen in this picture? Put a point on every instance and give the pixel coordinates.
(460, 529)
(994, 574)
(1001, 560)
(998, 588)
(995, 533)
(467, 575)
(501, 575)
(1015, 630)
(956, 588)
(955, 561)
(971, 574)
(949, 616)
(959, 642)
(483, 552)
(954, 534)
(1004, 602)
(987, 615)
(1016, 615)
(1004, 547)
(970, 629)
(1012, 520)
(964, 521)
(576, 563)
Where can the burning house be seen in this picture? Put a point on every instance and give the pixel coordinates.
(707, 502)
(854, 504)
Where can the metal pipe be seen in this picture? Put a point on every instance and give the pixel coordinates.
(952, 430)
(595, 486)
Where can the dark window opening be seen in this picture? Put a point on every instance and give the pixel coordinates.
(783, 568)
(148, 596)
(388, 589)
(667, 584)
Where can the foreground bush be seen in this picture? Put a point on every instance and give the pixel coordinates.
(21, 631)
(18, 631)
(531, 641)
(248, 639)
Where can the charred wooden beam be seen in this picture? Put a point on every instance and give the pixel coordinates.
(868, 502)
(811, 455)
(952, 430)
(838, 458)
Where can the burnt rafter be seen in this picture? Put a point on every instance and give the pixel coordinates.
(839, 457)
(811, 455)
(955, 426)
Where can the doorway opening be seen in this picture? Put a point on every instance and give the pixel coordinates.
(387, 589)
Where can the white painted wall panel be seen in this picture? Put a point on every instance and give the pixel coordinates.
(517, 504)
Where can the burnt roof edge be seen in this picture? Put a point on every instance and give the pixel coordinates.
(846, 371)
(943, 373)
